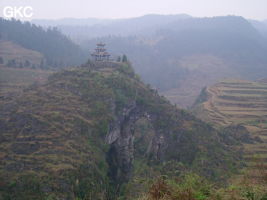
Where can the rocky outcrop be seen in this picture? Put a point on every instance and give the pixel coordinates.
(121, 139)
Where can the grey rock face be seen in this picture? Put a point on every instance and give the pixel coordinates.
(121, 139)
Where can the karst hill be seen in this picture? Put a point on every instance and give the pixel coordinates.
(97, 132)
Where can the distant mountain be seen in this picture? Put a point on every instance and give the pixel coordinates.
(230, 38)
(71, 22)
(90, 28)
(261, 26)
(58, 50)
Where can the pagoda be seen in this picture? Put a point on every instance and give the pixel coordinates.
(100, 53)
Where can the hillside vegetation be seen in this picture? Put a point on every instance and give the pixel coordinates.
(58, 50)
(97, 132)
(11, 52)
(13, 81)
(237, 104)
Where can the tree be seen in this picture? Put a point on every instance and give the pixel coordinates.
(20, 65)
(124, 58)
(27, 63)
(1, 60)
(118, 59)
(12, 63)
(43, 64)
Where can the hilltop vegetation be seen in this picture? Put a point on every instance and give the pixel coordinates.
(97, 132)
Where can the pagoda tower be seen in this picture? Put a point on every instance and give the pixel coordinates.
(100, 54)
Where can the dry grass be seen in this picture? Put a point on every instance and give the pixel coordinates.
(10, 50)
(13, 81)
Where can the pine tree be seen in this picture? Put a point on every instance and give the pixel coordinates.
(124, 58)
(119, 59)
(12, 63)
(27, 63)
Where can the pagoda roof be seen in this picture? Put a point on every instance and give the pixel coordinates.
(100, 54)
(101, 44)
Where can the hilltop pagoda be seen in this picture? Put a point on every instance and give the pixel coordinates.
(100, 53)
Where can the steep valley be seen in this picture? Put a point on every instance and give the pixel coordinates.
(202, 70)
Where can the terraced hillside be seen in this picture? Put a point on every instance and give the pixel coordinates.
(239, 102)
(12, 51)
(13, 81)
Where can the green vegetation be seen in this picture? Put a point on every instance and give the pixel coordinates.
(55, 133)
(124, 58)
(190, 186)
(13, 80)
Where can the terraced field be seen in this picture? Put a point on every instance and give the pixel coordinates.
(239, 102)
(9, 50)
(14, 80)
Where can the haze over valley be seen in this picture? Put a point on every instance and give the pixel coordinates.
(107, 101)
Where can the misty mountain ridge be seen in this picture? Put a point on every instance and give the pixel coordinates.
(98, 21)
(71, 22)
(91, 27)
(100, 27)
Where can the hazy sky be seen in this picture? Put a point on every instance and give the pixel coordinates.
(53, 9)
